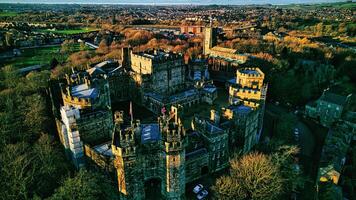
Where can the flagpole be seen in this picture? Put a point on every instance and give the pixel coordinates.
(131, 114)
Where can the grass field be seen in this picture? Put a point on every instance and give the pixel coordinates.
(69, 31)
(37, 56)
(8, 14)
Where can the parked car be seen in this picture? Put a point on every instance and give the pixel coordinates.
(296, 134)
(198, 188)
(202, 194)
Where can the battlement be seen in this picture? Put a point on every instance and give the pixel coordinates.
(251, 72)
(124, 151)
(126, 137)
(76, 101)
(174, 135)
(174, 146)
(156, 56)
(239, 91)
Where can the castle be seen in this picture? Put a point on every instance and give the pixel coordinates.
(161, 154)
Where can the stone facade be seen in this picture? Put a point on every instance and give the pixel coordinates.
(248, 87)
(150, 151)
(85, 114)
(160, 152)
(328, 108)
(223, 62)
(163, 80)
(165, 71)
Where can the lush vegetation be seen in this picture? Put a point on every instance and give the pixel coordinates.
(43, 55)
(261, 176)
(32, 163)
(69, 31)
(7, 14)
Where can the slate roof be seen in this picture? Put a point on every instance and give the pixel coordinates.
(83, 91)
(94, 71)
(241, 109)
(150, 133)
(333, 98)
(104, 149)
(249, 71)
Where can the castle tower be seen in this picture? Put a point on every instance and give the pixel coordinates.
(249, 88)
(125, 147)
(173, 135)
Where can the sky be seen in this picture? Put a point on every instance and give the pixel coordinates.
(234, 2)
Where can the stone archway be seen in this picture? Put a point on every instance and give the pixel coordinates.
(153, 189)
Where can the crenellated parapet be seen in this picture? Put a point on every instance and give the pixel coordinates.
(68, 99)
(250, 72)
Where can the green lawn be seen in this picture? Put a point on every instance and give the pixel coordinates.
(37, 56)
(69, 31)
(8, 14)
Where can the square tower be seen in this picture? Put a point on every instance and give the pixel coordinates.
(210, 39)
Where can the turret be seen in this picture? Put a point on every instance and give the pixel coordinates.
(125, 148)
(174, 140)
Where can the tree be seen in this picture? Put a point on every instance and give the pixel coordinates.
(284, 158)
(285, 127)
(67, 46)
(103, 47)
(82, 46)
(16, 172)
(86, 185)
(330, 191)
(54, 62)
(50, 164)
(254, 176)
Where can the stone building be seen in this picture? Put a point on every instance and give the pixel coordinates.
(328, 109)
(191, 29)
(162, 78)
(85, 113)
(247, 95)
(247, 88)
(150, 151)
(222, 61)
(165, 154)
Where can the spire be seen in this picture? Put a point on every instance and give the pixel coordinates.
(211, 21)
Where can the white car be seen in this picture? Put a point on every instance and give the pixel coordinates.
(202, 194)
(296, 134)
(198, 188)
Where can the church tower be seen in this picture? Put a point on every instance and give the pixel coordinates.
(125, 147)
(174, 139)
(210, 38)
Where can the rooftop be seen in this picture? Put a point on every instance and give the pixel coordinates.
(104, 149)
(211, 128)
(224, 50)
(83, 91)
(94, 71)
(250, 71)
(157, 55)
(150, 133)
(240, 109)
(210, 88)
(333, 98)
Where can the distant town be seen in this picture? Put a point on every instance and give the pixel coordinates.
(178, 101)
